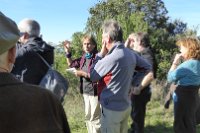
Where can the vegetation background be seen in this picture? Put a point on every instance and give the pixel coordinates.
(158, 119)
(150, 16)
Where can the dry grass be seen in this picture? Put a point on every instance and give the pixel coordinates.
(158, 119)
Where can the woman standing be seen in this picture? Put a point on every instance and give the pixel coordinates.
(87, 88)
(187, 77)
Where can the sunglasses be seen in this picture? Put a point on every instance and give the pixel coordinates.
(21, 34)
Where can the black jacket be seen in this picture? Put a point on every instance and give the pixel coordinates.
(28, 66)
(26, 108)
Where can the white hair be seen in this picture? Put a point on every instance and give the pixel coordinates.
(29, 26)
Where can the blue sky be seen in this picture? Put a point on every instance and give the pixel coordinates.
(186, 10)
(59, 19)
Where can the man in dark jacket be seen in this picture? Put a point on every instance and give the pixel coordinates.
(24, 108)
(139, 42)
(29, 67)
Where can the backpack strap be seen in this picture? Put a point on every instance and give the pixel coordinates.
(44, 60)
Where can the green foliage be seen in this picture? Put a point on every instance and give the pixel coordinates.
(76, 44)
(74, 108)
(61, 65)
(148, 16)
(176, 27)
(163, 44)
(134, 16)
(135, 22)
(157, 120)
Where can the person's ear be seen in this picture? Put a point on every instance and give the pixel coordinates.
(11, 55)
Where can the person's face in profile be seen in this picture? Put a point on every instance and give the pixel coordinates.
(136, 44)
(23, 38)
(88, 46)
(184, 51)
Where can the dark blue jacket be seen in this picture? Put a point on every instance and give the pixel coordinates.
(28, 66)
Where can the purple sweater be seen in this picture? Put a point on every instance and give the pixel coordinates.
(79, 63)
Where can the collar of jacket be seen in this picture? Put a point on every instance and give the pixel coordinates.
(8, 79)
(116, 45)
(82, 61)
(145, 51)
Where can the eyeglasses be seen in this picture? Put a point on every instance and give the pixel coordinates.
(21, 34)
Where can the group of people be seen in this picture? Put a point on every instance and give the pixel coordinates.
(120, 73)
(185, 73)
(115, 81)
(24, 106)
(106, 78)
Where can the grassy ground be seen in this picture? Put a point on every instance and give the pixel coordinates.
(74, 108)
(158, 119)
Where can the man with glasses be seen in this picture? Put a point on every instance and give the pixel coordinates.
(24, 108)
(29, 67)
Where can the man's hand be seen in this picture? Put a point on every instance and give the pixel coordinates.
(104, 50)
(127, 43)
(177, 59)
(135, 90)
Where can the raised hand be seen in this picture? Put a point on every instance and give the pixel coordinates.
(177, 59)
(67, 46)
(104, 50)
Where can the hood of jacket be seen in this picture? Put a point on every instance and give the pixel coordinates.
(38, 45)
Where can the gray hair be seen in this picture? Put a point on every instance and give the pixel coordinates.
(29, 26)
(113, 29)
(142, 37)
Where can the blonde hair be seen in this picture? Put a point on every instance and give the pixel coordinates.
(193, 46)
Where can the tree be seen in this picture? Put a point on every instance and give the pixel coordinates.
(154, 12)
(76, 44)
(136, 16)
(144, 16)
(60, 60)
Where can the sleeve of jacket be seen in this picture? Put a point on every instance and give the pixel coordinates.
(76, 63)
(142, 65)
(101, 66)
(177, 74)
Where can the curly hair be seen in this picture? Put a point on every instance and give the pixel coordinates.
(193, 46)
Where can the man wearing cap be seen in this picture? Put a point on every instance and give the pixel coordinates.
(29, 67)
(24, 108)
